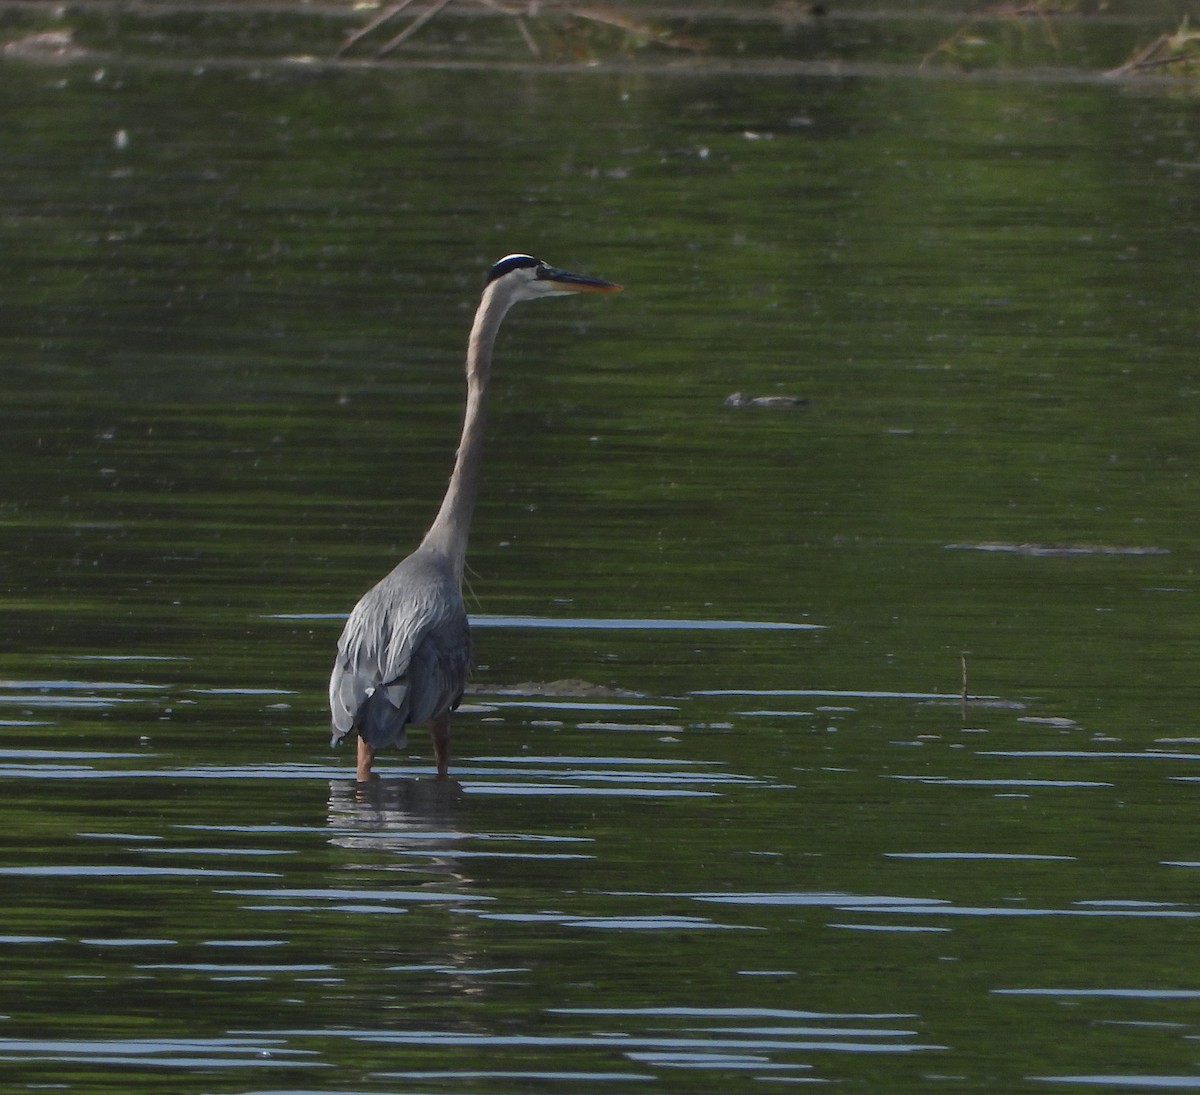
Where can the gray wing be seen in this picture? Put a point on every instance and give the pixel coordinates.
(403, 655)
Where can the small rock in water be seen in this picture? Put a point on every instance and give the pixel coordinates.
(573, 688)
(740, 399)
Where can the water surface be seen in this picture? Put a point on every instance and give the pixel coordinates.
(846, 742)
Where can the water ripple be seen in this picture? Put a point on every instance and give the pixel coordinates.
(352, 894)
(121, 871)
(1142, 1083)
(619, 923)
(1117, 993)
(186, 1053)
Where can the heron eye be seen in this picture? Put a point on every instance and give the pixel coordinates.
(541, 270)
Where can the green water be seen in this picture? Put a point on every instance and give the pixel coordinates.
(236, 299)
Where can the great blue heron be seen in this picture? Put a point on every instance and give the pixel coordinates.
(404, 652)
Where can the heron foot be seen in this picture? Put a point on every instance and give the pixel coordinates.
(439, 730)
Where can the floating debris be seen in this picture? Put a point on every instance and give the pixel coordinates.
(47, 45)
(1059, 549)
(740, 399)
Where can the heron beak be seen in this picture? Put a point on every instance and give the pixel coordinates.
(566, 282)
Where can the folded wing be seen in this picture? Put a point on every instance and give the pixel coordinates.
(403, 655)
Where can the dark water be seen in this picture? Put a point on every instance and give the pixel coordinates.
(722, 819)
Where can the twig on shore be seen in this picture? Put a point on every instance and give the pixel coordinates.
(1176, 48)
(597, 14)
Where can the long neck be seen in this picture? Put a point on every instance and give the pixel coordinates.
(451, 528)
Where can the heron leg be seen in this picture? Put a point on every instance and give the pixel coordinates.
(366, 757)
(439, 730)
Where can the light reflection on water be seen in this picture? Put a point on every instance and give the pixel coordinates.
(1148, 1082)
(431, 873)
(671, 1038)
(175, 1053)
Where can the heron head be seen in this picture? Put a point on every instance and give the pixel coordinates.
(527, 278)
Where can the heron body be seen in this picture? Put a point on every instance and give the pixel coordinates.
(404, 654)
(405, 650)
